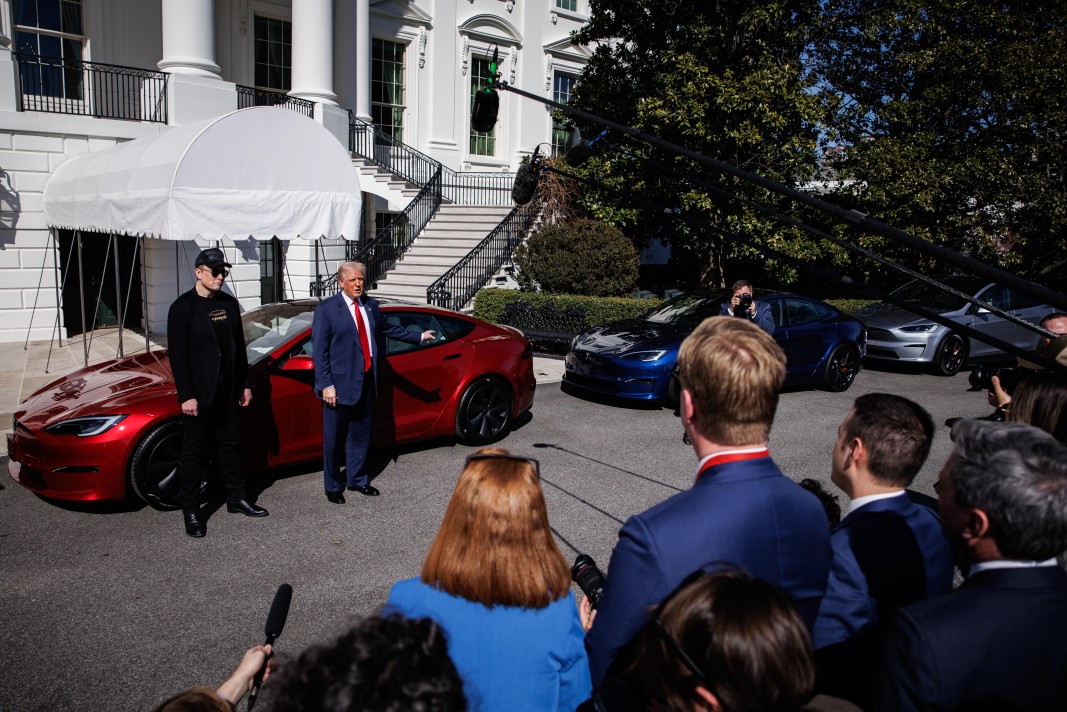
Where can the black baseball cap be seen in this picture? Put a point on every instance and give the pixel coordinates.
(212, 257)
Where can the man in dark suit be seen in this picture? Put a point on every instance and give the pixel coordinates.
(206, 346)
(743, 305)
(1000, 640)
(741, 509)
(345, 334)
(888, 551)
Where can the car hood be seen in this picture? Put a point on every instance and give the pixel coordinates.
(888, 316)
(105, 388)
(622, 336)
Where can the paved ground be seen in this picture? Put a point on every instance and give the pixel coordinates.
(116, 608)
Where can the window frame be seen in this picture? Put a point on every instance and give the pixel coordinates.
(287, 71)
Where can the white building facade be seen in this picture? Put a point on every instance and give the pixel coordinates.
(408, 68)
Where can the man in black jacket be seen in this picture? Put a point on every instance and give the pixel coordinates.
(207, 357)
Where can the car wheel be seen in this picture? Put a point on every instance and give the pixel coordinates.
(841, 368)
(674, 390)
(950, 355)
(484, 413)
(154, 466)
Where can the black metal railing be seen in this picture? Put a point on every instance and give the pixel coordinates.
(250, 96)
(477, 188)
(459, 285)
(370, 142)
(109, 91)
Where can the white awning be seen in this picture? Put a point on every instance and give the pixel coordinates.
(261, 172)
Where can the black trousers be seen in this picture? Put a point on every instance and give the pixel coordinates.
(214, 430)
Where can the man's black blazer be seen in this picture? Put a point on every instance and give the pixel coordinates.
(998, 642)
(193, 348)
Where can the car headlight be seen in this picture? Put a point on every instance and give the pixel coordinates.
(919, 328)
(85, 427)
(645, 355)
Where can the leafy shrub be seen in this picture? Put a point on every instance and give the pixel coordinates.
(491, 304)
(582, 256)
(849, 306)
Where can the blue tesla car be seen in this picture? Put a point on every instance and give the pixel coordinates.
(635, 358)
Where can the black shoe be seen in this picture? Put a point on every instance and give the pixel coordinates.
(243, 506)
(366, 490)
(335, 497)
(194, 526)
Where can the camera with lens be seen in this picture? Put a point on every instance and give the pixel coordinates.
(742, 308)
(981, 378)
(589, 578)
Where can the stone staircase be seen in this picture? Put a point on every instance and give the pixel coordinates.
(381, 182)
(453, 232)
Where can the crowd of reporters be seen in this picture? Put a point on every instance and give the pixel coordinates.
(741, 593)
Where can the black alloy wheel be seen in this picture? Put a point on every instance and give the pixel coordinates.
(841, 368)
(950, 356)
(484, 413)
(153, 468)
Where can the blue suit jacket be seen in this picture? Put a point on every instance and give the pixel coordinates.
(763, 319)
(1000, 640)
(747, 513)
(887, 554)
(338, 355)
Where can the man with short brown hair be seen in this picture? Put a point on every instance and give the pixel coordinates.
(741, 509)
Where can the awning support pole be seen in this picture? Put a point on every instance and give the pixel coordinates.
(81, 293)
(144, 290)
(118, 293)
(99, 296)
(36, 296)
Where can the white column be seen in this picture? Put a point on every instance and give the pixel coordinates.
(189, 38)
(344, 53)
(8, 94)
(313, 51)
(363, 59)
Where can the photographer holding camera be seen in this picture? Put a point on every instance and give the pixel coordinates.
(1001, 382)
(742, 305)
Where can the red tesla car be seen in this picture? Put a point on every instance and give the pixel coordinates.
(109, 430)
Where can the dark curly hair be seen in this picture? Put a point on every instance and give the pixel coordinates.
(390, 664)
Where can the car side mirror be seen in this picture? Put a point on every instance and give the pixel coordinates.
(300, 362)
(982, 310)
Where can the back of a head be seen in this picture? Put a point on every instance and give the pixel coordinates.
(495, 545)
(391, 664)
(751, 646)
(1040, 399)
(1017, 475)
(896, 433)
(200, 699)
(734, 372)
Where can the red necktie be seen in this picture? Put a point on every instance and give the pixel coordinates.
(364, 343)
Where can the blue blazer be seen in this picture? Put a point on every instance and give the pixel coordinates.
(887, 554)
(747, 513)
(763, 319)
(338, 355)
(998, 642)
(509, 658)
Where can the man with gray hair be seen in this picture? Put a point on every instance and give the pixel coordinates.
(1000, 640)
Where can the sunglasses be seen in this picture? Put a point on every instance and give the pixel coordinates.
(500, 456)
(218, 271)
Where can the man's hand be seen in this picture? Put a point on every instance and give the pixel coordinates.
(246, 397)
(189, 407)
(734, 301)
(241, 680)
(752, 309)
(329, 396)
(586, 614)
(429, 335)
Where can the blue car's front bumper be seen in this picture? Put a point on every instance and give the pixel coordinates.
(635, 380)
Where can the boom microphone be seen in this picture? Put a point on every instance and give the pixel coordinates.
(582, 151)
(526, 177)
(279, 612)
(486, 102)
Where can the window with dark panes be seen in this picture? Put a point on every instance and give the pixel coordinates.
(52, 30)
(387, 87)
(562, 129)
(571, 5)
(481, 144)
(273, 48)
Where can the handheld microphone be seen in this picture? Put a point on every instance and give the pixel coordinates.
(279, 611)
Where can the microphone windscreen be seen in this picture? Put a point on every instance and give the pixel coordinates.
(485, 109)
(279, 611)
(578, 154)
(525, 185)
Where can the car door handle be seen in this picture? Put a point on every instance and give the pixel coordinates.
(450, 357)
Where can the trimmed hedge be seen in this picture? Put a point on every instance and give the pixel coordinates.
(490, 305)
(849, 306)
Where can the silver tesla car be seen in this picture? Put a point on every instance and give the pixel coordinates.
(895, 334)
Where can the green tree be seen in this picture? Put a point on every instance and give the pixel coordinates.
(722, 78)
(583, 256)
(955, 122)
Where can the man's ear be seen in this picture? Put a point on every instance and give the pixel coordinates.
(977, 526)
(709, 699)
(857, 452)
(688, 411)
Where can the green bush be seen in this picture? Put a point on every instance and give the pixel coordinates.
(582, 256)
(490, 305)
(849, 306)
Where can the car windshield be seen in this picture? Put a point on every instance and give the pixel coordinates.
(268, 326)
(686, 309)
(933, 297)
